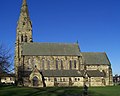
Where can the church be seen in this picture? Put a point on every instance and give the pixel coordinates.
(56, 64)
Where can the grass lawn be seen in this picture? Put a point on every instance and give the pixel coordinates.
(58, 91)
(105, 91)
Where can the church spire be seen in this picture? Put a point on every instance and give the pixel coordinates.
(24, 27)
(23, 35)
(24, 10)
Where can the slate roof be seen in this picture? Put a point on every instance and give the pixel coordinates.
(95, 73)
(50, 49)
(62, 73)
(57, 73)
(68, 73)
(95, 58)
(7, 75)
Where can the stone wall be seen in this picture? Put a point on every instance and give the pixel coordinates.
(103, 68)
(97, 81)
(51, 62)
(64, 81)
(8, 80)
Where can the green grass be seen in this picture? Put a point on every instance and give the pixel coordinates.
(105, 91)
(58, 91)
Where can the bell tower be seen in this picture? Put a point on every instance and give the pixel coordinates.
(23, 34)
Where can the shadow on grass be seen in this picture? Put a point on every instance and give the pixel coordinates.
(91, 93)
(3, 87)
(56, 91)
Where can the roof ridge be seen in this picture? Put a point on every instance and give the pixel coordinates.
(55, 42)
(50, 43)
(94, 52)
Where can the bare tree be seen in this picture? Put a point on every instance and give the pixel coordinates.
(5, 60)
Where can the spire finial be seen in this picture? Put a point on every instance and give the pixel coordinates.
(24, 2)
(24, 7)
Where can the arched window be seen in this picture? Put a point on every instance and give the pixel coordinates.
(23, 23)
(56, 64)
(63, 79)
(48, 64)
(70, 64)
(25, 38)
(61, 64)
(22, 38)
(55, 79)
(75, 63)
(75, 79)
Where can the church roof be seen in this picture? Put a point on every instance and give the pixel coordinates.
(58, 73)
(7, 75)
(68, 73)
(62, 73)
(95, 73)
(95, 58)
(48, 49)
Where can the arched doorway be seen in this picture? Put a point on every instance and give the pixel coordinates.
(35, 81)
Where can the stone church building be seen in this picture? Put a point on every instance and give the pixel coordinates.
(56, 64)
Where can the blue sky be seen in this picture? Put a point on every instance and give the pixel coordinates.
(94, 23)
